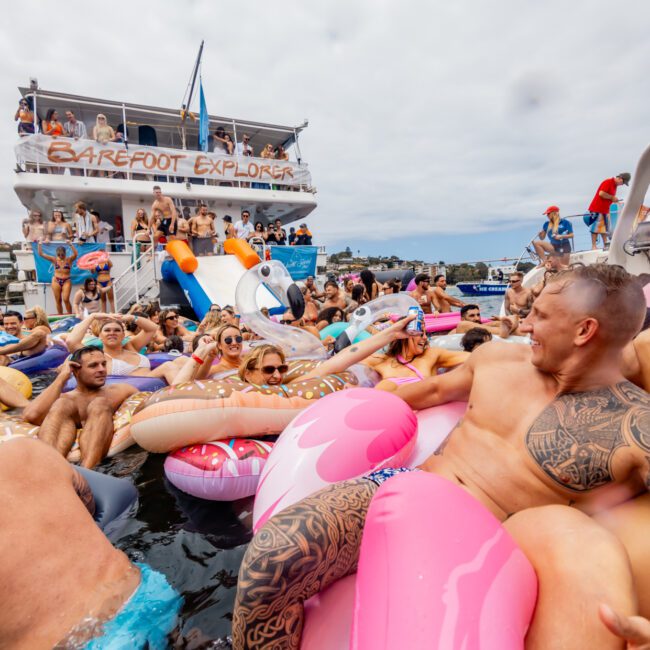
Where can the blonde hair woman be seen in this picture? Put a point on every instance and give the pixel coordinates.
(559, 233)
(58, 229)
(140, 231)
(102, 131)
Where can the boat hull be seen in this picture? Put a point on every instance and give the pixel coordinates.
(482, 288)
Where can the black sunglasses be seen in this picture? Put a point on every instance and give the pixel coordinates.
(229, 339)
(269, 370)
(172, 317)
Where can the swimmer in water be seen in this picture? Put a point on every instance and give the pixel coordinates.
(569, 387)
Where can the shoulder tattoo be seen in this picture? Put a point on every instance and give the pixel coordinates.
(575, 437)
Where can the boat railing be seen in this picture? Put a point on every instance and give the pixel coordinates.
(129, 161)
(137, 281)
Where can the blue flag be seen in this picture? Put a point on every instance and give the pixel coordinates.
(204, 120)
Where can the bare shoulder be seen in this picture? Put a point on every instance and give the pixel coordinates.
(117, 393)
(497, 352)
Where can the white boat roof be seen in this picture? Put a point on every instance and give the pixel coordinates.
(166, 121)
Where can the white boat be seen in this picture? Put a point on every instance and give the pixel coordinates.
(160, 148)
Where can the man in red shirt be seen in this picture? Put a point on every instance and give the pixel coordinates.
(598, 218)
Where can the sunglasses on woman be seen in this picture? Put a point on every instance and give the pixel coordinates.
(229, 339)
(269, 370)
(172, 317)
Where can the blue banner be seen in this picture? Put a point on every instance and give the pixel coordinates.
(204, 119)
(45, 268)
(300, 261)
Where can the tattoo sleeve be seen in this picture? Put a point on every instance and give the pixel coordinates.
(295, 555)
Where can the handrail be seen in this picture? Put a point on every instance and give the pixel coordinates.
(254, 245)
(138, 279)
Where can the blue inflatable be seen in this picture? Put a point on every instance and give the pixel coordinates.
(34, 364)
(7, 339)
(335, 329)
(114, 498)
(149, 384)
(64, 324)
(158, 358)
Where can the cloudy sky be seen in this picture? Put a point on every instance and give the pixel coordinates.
(438, 130)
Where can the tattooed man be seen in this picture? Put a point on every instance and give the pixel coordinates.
(547, 426)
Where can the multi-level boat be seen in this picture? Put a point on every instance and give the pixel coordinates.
(158, 146)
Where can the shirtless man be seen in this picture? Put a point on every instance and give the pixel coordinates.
(168, 209)
(470, 318)
(310, 285)
(183, 226)
(441, 299)
(202, 229)
(518, 300)
(79, 581)
(423, 293)
(333, 297)
(89, 407)
(34, 343)
(576, 435)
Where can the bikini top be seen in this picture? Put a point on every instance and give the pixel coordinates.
(123, 368)
(104, 268)
(87, 299)
(407, 380)
(57, 265)
(58, 230)
(139, 226)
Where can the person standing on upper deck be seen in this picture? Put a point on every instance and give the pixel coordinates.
(167, 208)
(73, 128)
(243, 227)
(244, 148)
(598, 217)
(85, 224)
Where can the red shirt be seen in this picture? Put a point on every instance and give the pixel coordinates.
(600, 205)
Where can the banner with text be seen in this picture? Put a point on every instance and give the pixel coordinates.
(45, 267)
(300, 261)
(116, 157)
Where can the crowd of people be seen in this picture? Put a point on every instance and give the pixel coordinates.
(584, 378)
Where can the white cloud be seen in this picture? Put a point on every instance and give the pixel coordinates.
(456, 116)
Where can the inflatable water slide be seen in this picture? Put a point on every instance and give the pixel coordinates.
(213, 279)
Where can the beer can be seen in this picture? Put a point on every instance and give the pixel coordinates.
(416, 326)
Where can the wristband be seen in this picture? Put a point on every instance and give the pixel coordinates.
(237, 316)
(197, 359)
(135, 319)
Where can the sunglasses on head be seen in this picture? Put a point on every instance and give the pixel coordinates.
(229, 339)
(269, 370)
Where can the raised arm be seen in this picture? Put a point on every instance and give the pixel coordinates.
(360, 351)
(75, 253)
(45, 256)
(30, 341)
(36, 410)
(148, 330)
(198, 365)
(75, 338)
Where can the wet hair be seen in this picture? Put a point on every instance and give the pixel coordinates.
(331, 283)
(329, 313)
(60, 249)
(256, 356)
(78, 354)
(437, 277)
(421, 277)
(87, 282)
(173, 343)
(15, 314)
(466, 308)
(357, 292)
(368, 280)
(475, 337)
(609, 294)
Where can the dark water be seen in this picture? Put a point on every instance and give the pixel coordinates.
(197, 544)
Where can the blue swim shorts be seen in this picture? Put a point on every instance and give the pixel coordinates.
(145, 619)
(381, 475)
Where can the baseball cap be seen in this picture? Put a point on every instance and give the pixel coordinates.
(625, 176)
(550, 209)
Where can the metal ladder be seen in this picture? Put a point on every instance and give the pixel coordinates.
(139, 281)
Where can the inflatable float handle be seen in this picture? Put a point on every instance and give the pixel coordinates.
(243, 251)
(182, 255)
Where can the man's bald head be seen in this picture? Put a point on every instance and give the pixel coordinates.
(607, 293)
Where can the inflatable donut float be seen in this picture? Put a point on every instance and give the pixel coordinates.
(222, 470)
(12, 426)
(215, 409)
(89, 261)
(17, 380)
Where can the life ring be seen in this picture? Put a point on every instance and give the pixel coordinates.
(215, 409)
(17, 380)
(12, 426)
(221, 470)
(89, 261)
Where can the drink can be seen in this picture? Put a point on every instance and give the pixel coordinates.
(416, 326)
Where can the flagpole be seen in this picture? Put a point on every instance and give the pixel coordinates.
(187, 101)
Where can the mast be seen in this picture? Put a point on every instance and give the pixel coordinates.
(187, 99)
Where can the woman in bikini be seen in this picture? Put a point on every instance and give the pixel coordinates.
(105, 282)
(140, 230)
(168, 325)
(61, 282)
(87, 300)
(409, 360)
(58, 229)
